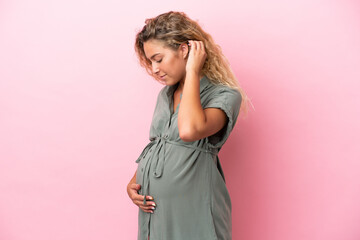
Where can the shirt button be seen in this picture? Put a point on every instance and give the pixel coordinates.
(142, 169)
(150, 150)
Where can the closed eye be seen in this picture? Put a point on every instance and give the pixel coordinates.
(159, 61)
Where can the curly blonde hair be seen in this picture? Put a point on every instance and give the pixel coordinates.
(175, 28)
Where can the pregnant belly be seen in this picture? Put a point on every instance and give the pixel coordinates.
(183, 174)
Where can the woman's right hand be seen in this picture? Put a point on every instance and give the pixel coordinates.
(132, 190)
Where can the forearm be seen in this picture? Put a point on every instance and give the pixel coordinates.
(191, 116)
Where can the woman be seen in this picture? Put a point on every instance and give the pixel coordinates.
(179, 185)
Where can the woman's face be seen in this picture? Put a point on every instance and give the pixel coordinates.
(168, 66)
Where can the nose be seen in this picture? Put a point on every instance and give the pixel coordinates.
(155, 68)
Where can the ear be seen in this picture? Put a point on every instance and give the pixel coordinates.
(184, 50)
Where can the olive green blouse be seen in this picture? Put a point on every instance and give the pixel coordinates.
(185, 178)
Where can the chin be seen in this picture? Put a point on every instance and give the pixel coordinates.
(170, 83)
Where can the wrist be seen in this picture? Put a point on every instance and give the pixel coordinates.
(193, 73)
(131, 182)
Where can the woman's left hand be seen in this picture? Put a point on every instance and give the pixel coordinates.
(196, 58)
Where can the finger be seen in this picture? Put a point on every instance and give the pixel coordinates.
(201, 45)
(148, 207)
(196, 45)
(138, 197)
(145, 208)
(148, 211)
(141, 205)
(193, 45)
(141, 197)
(152, 204)
(134, 191)
(137, 186)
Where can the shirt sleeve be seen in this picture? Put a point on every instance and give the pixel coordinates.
(229, 101)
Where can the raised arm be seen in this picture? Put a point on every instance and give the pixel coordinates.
(194, 122)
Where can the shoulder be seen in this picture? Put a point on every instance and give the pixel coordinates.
(224, 94)
(212, 88)
(163, 92)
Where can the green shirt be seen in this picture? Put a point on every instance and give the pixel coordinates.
(185, 178)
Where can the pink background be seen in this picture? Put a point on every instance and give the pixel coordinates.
(75, 111)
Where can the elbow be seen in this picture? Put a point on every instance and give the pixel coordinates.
(187, 135)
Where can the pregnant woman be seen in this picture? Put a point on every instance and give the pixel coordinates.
(179, 185)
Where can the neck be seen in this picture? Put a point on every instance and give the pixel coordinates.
(180, 86)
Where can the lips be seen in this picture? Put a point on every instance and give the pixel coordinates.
(162, 77)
